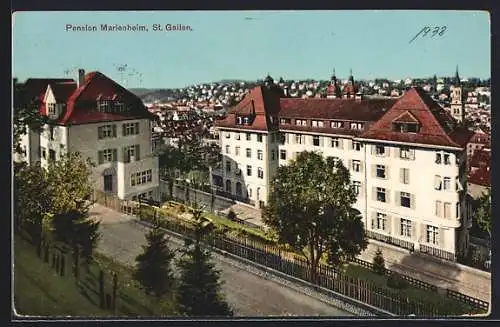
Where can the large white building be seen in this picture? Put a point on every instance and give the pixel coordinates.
(407, 158)
(101, 120)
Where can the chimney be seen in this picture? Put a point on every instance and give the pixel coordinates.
(81, 76)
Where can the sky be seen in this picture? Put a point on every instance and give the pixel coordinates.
(248, 45)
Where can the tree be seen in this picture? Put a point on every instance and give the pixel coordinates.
(53, 202)
(379, 262)
(25, 115)
(199, 290)
(310, 209)
(153, 270)
(483, 213)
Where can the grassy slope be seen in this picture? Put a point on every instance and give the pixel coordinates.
(38, 290)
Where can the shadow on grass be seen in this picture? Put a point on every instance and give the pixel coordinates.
(134, 303)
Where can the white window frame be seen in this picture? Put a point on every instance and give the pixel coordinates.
(248, 152)
(51, 108)
(228, 151)
(260, 155)
(335, 142)
(356, 186)
(107, 155)
(407, 196)
(432, 235)
(380, 150)
(405, 227)
(381, 190)
(356, 165)
(356, 146)
(260, 173)
(381, 221)
(237, 151)
(382, 169)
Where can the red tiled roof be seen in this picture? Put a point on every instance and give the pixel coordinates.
(481, 176)
(335, 109)
(261, 101)
(480, 159)
(461, 135)
(435, 121)
(82, 103)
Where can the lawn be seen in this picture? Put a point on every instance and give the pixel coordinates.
(39, 291)
(441, 302)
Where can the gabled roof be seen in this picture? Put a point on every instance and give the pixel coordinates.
(480, 159)
(62, 91)
(406, 117)
(82, 103)
(436, 123)
(262, 101)
(34, 88)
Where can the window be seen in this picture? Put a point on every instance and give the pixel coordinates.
(130, 129)
(282, 138)
(249, 170)
(406, 153)
(108, 183)
(131, 153)
(315, 140)
(439, 208)
(317, 123)
(356, 186)
(227, 149)
(381, 221)
(119, 107)
(237, 150)
(380, 194)
(381, 171)
(412, 128)
(52, 155)
(447, 210)
(335, 142)
(438, 158)
(405, 227)
(228, 166)
(405, 127)
(260, 155)
(259, 137)
(43, 152)
(457, 210)
(248, 136)
(237, 136)
(356, 146)
(437, 182)
(249, 153)
(447, 160)
(106, 131)
(283, 154)
(142, 177)
(228, 135)
(337, 124)
(356, 165)
(298, 139)
(285, 121)
(405, 199)
(432, 235)
(379, 150)
(107, 155)
(405, 176)
(356, 126)
(237, 170)
(300, 122)
(273, 154)
(260, 173)
(446, 183)
(104, 106)
(51, 108)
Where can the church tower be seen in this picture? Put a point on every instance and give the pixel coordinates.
(457, 103)
(333, 91)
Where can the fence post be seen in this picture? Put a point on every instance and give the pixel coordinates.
(101, 289)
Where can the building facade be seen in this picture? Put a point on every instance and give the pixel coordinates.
(407, 158)
(105, 123)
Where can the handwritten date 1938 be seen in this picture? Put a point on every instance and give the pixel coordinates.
(434, 30)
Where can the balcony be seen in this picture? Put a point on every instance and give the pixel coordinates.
(437, 252)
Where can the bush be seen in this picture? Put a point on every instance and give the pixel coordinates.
(396, 281)
(379, 263)
(231, 215)
(182, 208)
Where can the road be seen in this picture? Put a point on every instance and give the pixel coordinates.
(248, 293)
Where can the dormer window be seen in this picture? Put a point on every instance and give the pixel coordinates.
(300, 122)
(119, 107)
(356, 126)
(406, 127)
(238, 120)
(103, 106)
(337, 124)
(51, 108)
(246, 120)
(285, 121)
(317, 123)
